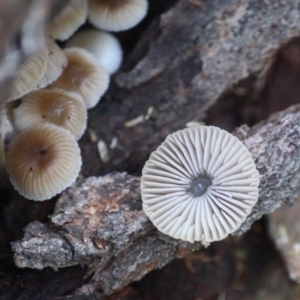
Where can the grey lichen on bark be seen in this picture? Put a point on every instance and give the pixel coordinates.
(275, 148)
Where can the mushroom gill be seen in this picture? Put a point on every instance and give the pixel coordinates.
(83, 75)
(42, 161)
(199, 185)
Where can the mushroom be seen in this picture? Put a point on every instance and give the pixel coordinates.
(42, 161)
(72, 16)
(199, 185)
(116, 15)
(55, 65)
(83, 75)
(104, 46)
(30, 72)
(55, 106)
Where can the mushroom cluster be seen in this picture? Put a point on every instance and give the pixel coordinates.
(46, 111)
(199, 185)
(108, 15)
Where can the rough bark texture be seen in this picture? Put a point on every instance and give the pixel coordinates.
(202, 48)
(274, 145)
(99, 222)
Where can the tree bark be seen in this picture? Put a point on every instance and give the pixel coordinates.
(202, 48)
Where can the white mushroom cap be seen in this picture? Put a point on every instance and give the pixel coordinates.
(116, 15)
(83, 75)
(55, 65)
(72, 16)
(54, 106)
(104, 46)
(199, 185)
(42, 161)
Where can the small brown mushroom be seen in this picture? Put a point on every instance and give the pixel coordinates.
(55, 65)
(30, 72)
(72, 16)
(83, 75)
(42, 161)
(103, 45)
(59, 107)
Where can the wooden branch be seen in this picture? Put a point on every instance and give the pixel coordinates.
(99, 222)
(275, 147)
(201, 49)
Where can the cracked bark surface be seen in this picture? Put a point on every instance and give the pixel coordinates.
(275, 148)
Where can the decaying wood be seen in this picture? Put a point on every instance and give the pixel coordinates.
(99, 222)
(202, 48)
